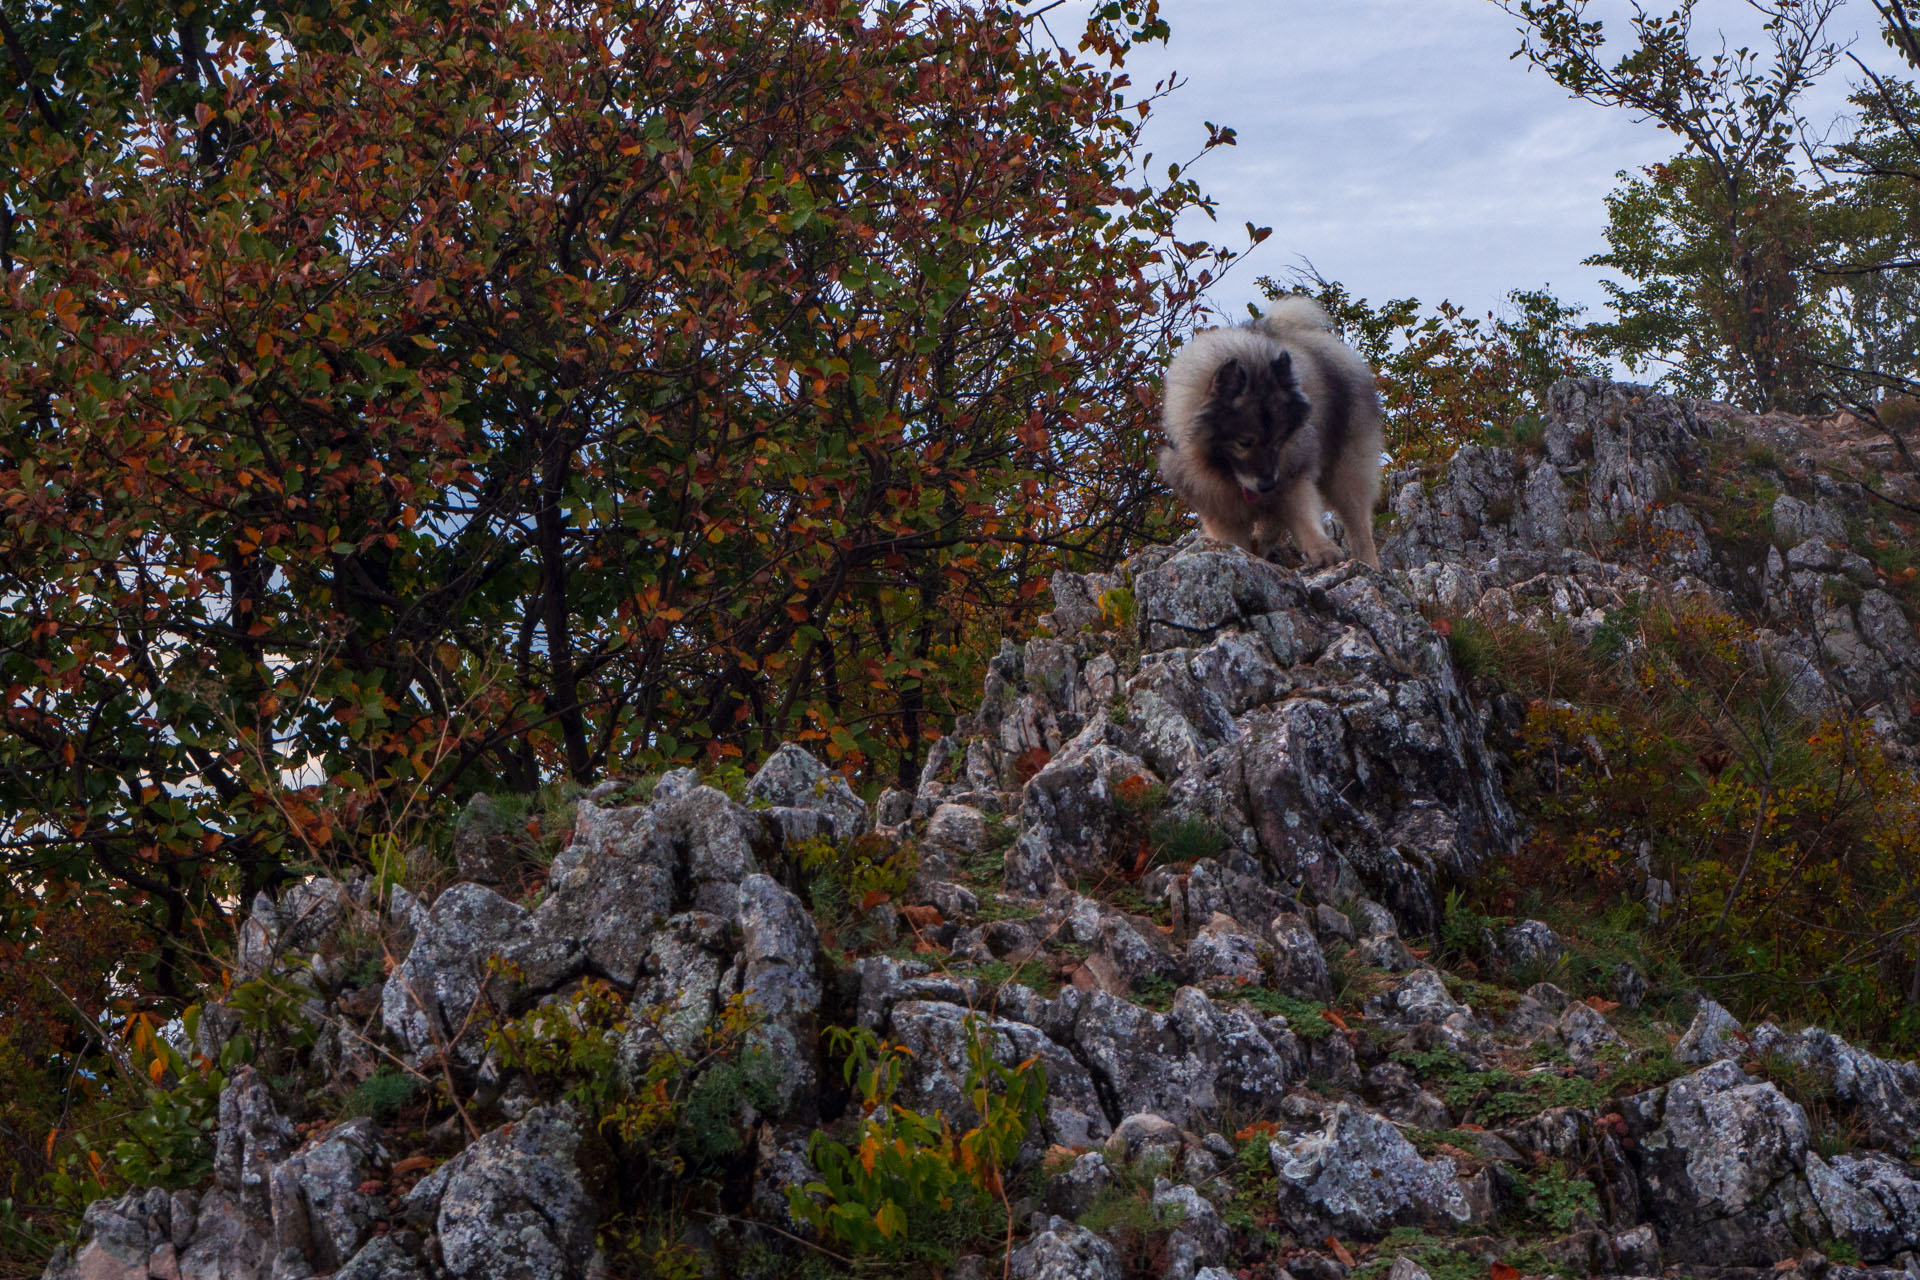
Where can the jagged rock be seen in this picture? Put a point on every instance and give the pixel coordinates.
(1421, 997)
(250, 1139)
(954, 833)
(226, 1244)
(1531, 944)
(792, 779)
(779, 953)
(1183, 1064)
(1585, 1032)
(1135, 950)
(382, 1259)
(1073, 1192)
(434, 999)
(1713, 1034)
(936, 1034)
(512, 1205)
(608, 893)
(122, 1235)
(1223, 956)
(1405, 1268)
(297, 924)
(1329, 923)
(1884, 1096)
(688, 973)
(1199, 1236)
(1358, 1176)
(1068, 808)
(1722, 1160)
(319, 1211)
(1063, 1251)
(1386, 951)
(1872, 1202)
(1299, 966)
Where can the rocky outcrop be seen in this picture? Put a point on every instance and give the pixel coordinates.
(1188, 857)
(1618, 509)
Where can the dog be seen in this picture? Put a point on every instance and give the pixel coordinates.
(1269, 424)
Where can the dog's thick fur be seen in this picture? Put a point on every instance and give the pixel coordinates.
(1270, 423)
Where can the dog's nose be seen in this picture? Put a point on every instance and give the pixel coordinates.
(1268, 486)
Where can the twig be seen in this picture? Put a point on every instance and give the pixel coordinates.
(122, 1066)
(768, 1226)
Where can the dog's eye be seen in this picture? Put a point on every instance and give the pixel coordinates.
(1245, 444)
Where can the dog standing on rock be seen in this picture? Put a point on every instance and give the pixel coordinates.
(1268, 425)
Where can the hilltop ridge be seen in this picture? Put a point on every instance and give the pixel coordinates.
(1250, 863)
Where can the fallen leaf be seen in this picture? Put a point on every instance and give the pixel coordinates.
(1340, 1252)
(1335, 1019)
(1501, 1271)
(1600, 1004)
(1258, 1129)
(412, 1164)
(873, 898)
(925, 916)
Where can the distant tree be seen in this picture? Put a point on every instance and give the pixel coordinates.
(1712, 241)
(1740, 319)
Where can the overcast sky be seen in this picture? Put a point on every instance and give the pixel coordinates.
(1396, 145)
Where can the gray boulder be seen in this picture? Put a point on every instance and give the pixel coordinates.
(1358, 1176)
(1063, 1251)
(512, 1206)
(1722, 1168)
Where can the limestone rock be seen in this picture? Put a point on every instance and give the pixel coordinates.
(1358, 1176)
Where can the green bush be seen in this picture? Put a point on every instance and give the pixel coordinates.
(887, 1193)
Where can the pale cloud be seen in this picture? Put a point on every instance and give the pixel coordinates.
(1397, 145)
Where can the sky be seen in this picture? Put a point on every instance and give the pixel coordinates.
(1395, 144)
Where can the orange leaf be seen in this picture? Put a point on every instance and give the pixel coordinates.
(873, 898)
(925, 916)
(1335, 1019)
(1340, 1251)
(1600, 1004)
(1501, 1271)
(412, 1163)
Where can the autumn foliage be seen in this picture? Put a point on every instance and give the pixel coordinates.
(483, 393)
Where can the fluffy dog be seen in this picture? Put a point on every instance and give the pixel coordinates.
(1268, 424)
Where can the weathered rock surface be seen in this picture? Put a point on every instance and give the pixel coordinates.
(1208, 826)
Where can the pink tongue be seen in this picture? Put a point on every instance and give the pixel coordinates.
(1249, 494)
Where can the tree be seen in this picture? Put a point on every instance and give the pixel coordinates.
(1712, 231)
(1741, 320)
(544, 390)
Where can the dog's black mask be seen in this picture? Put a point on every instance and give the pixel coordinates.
(1252, 411)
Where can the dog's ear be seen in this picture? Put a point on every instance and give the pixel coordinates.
(1283, 368)
(1229, 381)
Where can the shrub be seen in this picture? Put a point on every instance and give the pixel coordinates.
(1663, 748)
(886, 1194)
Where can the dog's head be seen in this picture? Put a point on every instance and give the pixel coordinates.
(1253, 409)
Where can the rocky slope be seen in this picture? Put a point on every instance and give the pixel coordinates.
(1189, 856)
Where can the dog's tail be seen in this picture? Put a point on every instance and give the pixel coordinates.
(1295, 313)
